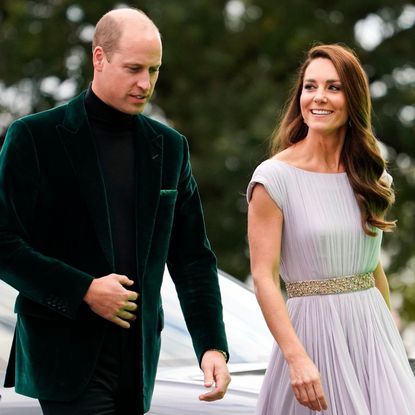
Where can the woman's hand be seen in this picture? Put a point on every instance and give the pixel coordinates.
(306, 384)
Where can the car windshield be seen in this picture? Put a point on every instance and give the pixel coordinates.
(248, 337)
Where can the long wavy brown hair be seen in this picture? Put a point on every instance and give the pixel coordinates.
(360, 155)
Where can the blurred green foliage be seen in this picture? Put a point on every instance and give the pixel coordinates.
(227, 70)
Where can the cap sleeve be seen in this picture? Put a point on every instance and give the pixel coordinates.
(268, 174)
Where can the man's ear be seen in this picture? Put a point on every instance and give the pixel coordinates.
(98, 57)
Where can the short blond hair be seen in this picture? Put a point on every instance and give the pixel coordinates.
(109, 29)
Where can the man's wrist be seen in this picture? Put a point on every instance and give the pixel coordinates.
(224, 354)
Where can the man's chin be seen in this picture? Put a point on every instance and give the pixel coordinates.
(134, 110)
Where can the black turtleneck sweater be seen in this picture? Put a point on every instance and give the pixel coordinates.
(114, 135)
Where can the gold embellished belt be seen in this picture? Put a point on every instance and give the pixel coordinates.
(336, 285)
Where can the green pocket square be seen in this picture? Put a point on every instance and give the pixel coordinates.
(168, 192)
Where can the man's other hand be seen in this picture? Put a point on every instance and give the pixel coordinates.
(216, 375)
(107, 297)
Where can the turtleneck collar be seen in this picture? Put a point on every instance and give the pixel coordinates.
(101, 113)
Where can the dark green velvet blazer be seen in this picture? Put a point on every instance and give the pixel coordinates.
(55, 237)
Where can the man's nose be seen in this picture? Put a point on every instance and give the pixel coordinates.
(143, 81)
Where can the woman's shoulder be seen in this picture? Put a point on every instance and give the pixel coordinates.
(278, 162)
(387, 178)
(270, 168)
(271, 173)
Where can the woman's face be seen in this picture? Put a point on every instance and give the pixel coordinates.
(322, 100)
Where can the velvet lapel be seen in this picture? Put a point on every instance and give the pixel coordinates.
(77, 139)
(150, 161)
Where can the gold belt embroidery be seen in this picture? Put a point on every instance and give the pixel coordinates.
(336, 285)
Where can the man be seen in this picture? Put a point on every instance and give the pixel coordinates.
(95, 199)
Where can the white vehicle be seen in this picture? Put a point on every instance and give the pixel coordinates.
(179, 380)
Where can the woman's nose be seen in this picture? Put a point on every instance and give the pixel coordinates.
(320, 97)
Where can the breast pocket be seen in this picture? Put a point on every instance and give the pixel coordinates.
(166, 207)
(168, 196)
(167, 203)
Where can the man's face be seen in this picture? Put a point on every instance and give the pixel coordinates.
(125, 80)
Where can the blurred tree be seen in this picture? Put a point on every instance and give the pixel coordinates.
(228, 67)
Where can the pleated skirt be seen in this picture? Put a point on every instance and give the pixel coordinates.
(357, 348)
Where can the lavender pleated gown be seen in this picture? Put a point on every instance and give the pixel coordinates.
(351, 337)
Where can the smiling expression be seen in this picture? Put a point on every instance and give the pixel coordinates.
(322, 101)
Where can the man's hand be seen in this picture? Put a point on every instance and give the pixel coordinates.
(216, 374)
(107, 297)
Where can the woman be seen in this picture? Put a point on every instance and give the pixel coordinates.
(316, 216)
